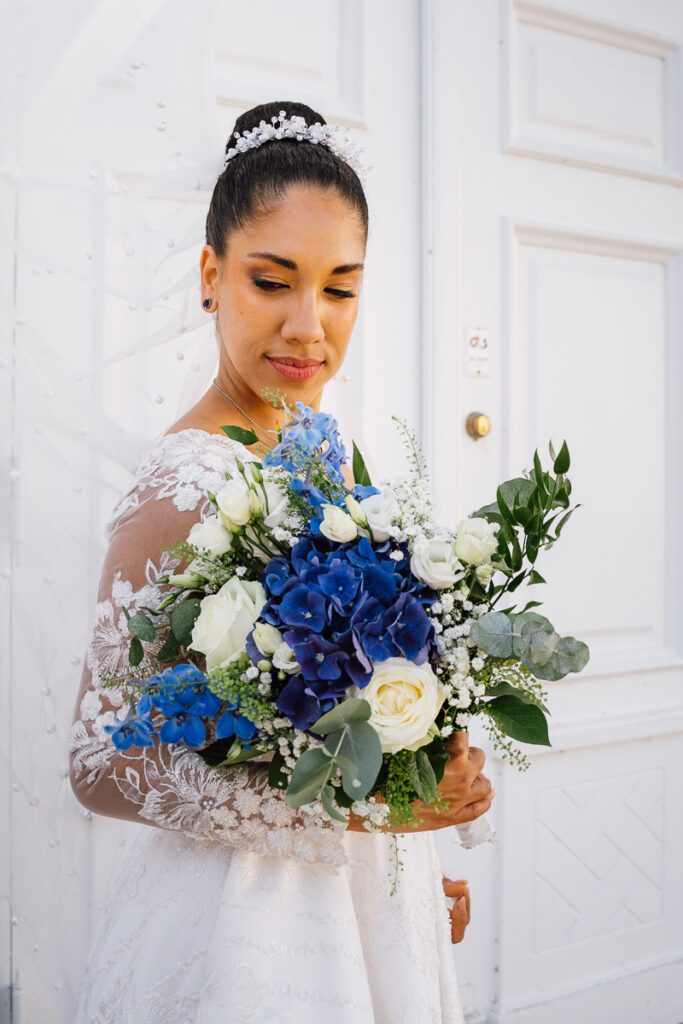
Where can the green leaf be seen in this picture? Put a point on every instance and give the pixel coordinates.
(354, 709)
(561, 463)
(360, 470)
(570, 655)
(245, 437)
(519, 720)
(423, 777)
(327, 795)
(135, 652)
(505, 511)
(535, 577)
(505, 689)
(170, 649)
(183, 618)
(139, 625)
(277, 776)
(493, 633)
(360, 759)
(311, 772)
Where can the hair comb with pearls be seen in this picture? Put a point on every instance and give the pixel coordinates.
(297, 128)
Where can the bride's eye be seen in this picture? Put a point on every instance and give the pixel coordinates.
(271, 286)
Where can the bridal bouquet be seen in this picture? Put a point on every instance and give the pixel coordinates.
(344, 632)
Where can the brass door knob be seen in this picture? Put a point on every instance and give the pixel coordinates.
(478, 425)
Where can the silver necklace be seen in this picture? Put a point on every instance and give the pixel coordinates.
(266, 430)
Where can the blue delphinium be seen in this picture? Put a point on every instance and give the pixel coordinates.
(303, 435)
(340, 607)
(182, 695)
(137, 729)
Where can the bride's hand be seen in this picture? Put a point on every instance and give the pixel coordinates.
(468, 792)
(460, 911)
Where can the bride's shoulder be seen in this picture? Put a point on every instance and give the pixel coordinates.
(179, 466)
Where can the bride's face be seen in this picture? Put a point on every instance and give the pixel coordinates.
(288, 291)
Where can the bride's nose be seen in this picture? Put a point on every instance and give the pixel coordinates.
(303, 323)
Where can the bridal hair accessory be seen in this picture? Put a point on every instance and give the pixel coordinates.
(296, 128)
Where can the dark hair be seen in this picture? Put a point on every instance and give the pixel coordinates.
(255, 181)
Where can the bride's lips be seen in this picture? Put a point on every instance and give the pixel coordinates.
(295, 369)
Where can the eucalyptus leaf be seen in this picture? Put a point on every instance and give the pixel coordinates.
(353, 709)
(170, 649)
(570, 655)
(493, 633)
(327, 796)
(135, 652)
(183, 618)
(311, 772)
(139, 625)
(519, 720)
(360, 759)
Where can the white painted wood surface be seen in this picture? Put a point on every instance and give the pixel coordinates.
(526, 180)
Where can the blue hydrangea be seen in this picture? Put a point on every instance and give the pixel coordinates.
(341, 607)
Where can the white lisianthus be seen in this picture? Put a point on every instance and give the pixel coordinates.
(380, 510)
(484, 572)
(357, 514)
(267, 638)
(224, 620)
(475, 540)
(277, 503)
(235, 503)
(189, 580)
(435, 562)
(284, 658)
(211, 535)
(405, 699)
(337, 524)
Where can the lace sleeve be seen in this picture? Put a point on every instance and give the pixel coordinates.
(171, 786)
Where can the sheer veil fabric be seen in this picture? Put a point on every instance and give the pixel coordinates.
(116, 148)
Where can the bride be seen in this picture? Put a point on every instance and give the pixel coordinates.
(233, 906)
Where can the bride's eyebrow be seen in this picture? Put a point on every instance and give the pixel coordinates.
(344, 268)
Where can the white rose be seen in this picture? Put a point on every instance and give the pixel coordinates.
(211, 535)
(267, 638)
(435, 563)
(380, 510)
(284, 658)
(475, 540)
(337, 524)
(405, 699)
(224, 620)
(235, 502)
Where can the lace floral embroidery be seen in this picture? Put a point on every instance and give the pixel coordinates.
(171, 785)
(182, 466)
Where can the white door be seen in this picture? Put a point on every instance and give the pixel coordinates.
(555, 230)
(99, 98)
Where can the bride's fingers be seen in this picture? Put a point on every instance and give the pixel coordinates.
(459, 919)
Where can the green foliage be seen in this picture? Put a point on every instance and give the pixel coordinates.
(519, 719)
(245, 437)
(351, 747)
(360, 470)
(414, 452)
(530, 638)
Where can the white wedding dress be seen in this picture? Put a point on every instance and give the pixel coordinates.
(233, 907)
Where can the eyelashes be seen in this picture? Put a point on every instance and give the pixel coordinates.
(272, 286)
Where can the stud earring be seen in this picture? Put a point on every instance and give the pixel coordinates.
(207, 304)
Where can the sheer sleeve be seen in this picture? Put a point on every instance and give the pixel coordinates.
(170, 786)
